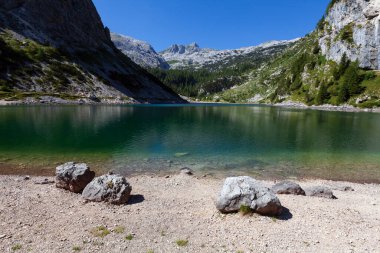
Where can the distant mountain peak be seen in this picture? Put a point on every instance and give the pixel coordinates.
(141, 52)
(194, 44)
(182, 49)
(192, 55)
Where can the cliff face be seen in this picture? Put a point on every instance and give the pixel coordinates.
(60, 23)
(314, 71)
(46, 45)
(352, 27)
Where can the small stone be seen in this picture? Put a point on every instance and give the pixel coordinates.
(320, 191)
(26, 178)
(288, 187)
(346, 189)
(2, 236)
(178, 155)
(45, 181)
(186, 171)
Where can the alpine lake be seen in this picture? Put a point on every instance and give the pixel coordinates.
(261, 141)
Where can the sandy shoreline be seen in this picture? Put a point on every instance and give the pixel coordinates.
(42, 218)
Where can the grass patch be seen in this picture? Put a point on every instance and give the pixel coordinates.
(182, 243)
(119, 229)
(77, 248)
(372, 86)
(110, 184)
(100, 231)
(346, 34)
(16, 247)
(274, 219)
(129, 237)
(13, 95)
(370, 104)
(245, 210)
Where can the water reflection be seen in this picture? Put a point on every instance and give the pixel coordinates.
(258, 139)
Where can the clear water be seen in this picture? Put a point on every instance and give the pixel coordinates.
(266, 142)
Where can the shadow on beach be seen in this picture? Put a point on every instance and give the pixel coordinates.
(136, 199)
(285, 215)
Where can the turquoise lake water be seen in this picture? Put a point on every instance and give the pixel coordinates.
(262, 141)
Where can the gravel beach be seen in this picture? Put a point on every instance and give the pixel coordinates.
(177, 214)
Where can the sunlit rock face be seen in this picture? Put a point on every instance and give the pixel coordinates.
(141, 52)
(352, 27)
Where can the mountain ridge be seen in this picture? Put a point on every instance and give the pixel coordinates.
(141, 52)
(193, 56)
(62, 47)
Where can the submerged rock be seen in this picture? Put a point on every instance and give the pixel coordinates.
(186, 171)
(73, 176)
(320, 191)
(178, 155)
(247, 192)
(109, 188)
(288, 187)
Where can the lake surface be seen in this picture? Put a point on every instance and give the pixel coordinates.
(261, 141)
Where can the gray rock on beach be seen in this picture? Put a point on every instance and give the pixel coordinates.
(246, 191)
(320, 191)
(288, 187)
(73, 176)
(109, 188)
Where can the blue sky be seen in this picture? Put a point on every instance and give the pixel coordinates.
(219, 24)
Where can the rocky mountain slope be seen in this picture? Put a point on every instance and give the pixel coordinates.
(200, 72)
(192, 56)
(61, 48)
(335, 64)
(139, 51)
(352, 27)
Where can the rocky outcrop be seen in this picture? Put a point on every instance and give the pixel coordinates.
(288, 187)
(139, 51)
(238, 192)
(320, 191)
(93, 66)
(113, 189)
(352, 27)
(73, 176)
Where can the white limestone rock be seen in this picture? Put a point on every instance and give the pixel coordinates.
(362, 16)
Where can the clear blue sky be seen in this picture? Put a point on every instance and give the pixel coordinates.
(219, 24)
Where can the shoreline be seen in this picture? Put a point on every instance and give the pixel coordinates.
(289, 104)
(164, 210)
(24, 171)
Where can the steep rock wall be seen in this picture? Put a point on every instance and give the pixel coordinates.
(352, 27)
